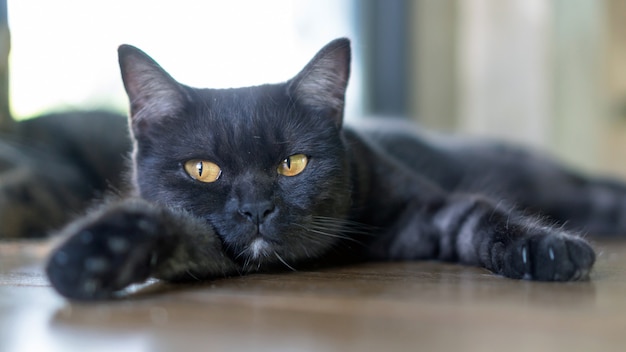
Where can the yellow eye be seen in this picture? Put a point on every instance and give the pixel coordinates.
(202, 170)
(293, 165)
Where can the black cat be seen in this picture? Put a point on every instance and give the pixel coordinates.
(233, 181)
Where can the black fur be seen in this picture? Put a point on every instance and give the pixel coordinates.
(368, 193)
(52, 166)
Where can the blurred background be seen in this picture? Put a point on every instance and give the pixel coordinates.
(550, 74)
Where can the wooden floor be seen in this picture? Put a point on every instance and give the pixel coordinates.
(375, 307)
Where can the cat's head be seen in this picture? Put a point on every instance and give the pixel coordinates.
(266, 166)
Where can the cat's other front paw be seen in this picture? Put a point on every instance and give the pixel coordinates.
(548, 257)
(104, 255)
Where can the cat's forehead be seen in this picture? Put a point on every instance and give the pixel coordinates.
(249, 124)
(257, 126)
(248, 112)
(251, 104)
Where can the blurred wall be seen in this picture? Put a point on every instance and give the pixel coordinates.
(612, 146)
(549, 74)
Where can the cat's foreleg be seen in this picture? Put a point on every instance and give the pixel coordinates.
(129, 241)
(473, 230)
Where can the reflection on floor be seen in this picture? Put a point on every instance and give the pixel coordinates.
(423, 306)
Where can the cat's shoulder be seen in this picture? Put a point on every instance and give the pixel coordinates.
(399, 130)
(385, 130)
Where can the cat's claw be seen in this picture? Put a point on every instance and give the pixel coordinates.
(548, 257)
(103, 257)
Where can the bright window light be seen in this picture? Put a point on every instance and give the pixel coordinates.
(64, 51)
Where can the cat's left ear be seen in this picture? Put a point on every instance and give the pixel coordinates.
(152, 92)
(322, 84)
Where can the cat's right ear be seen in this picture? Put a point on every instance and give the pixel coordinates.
(151, 91)
(322, 84)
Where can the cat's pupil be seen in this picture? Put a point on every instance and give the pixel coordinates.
(288, 162)
(199, 168)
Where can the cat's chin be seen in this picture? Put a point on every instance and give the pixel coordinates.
(259, 248)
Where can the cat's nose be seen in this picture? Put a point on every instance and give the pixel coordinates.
(257, 212)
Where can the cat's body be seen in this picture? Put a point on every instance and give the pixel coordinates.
(262, 178)
(52, 166)
(515, 177)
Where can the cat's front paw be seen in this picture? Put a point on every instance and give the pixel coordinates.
(548, 257)
(104, 255)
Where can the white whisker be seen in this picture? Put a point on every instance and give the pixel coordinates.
(323, 232)
(192, 275)
(283, 261)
